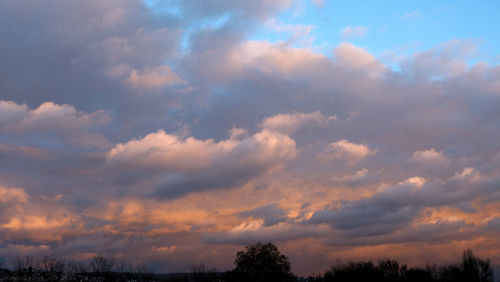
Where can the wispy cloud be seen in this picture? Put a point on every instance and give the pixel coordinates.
(350, 32)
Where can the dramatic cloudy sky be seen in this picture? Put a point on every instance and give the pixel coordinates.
(175, 132)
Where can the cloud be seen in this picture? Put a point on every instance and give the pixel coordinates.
(157, 77)
(34, 219)
(272, 58)
(12, 195)
(415, 181)
(297, 32)
(430, 156)
(290, 123)
(255, 231)
(170, 152)
(345, 150)
(356, 58)
(271, 214)
(446, 59)
(26, 152)
(359, 178)
(256, 9)
(50, 118)
(435, 232)
(493, 224)
(399, 205)
(10, 112)
(192, 165)
(353, 31)
(33, 222)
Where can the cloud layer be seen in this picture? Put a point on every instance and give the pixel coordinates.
(164, 127)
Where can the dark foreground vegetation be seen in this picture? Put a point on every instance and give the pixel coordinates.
(259, 262)
(471, 268)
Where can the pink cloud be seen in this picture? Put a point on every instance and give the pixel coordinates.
(290, 123)
(347, 151)
(356, 58)
(156, 77)
(430, 156)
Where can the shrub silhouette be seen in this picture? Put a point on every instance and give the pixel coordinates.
(261, 262)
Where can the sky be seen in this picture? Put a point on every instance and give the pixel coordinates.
(176, 132)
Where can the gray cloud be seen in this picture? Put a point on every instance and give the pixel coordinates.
(271, 213)
(276, 233)
(395, 208)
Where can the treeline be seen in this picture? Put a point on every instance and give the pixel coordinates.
(470, 269)
(257, 263)
(99, 268)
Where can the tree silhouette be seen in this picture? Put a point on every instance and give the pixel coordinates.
(471, 269)
(262, 262)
